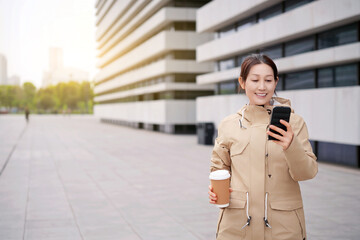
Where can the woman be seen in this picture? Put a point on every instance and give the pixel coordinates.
(265, 198)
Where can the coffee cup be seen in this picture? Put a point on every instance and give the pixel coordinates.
(220, 181)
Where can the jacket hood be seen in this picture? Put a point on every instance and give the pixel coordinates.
(260, 114)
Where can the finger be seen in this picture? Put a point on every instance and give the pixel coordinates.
(274, 135)
(230, 190)
(279, 130)
(212, 194)
(285, 123)
(210, 188)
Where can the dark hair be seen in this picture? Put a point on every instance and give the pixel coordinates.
(254, 59)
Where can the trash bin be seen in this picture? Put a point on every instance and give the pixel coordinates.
(205, 133)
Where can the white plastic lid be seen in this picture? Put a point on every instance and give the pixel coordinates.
(219, 175)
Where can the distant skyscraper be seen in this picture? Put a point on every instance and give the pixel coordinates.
(3, 70)
(55, 59)
(58, 73)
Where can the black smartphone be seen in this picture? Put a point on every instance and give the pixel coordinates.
(277, 114)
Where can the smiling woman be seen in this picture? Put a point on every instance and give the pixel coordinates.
(264, 173)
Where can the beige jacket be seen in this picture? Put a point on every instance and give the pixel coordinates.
(264, 177)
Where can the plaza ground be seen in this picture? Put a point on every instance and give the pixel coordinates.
(72, 177)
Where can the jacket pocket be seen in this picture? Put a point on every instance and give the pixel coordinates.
(238, 148)
(286, 220)
(237, 199)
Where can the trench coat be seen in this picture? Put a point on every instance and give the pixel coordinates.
(266, 201)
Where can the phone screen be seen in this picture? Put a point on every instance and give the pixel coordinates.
(279, 113)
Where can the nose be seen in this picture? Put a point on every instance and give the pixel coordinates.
(261, 85)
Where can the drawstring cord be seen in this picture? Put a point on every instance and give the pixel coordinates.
(242, 119)
(267, 224)
(247, 211)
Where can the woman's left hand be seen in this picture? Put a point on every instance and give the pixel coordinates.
(287, 136)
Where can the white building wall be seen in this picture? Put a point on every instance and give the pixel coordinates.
(151, 112)
(331, 114)
(310, 18)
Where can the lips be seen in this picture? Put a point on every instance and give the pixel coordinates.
(261, 94)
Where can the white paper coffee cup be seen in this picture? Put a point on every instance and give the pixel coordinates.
(220, 181)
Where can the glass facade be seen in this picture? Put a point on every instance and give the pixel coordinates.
(229, 87)
(338, 153)
(227, 64)
(298, 46)
(300, 80)
(273, 52)
(339, 36)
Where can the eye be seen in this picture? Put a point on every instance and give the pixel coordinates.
(254, 80)
(268, 80)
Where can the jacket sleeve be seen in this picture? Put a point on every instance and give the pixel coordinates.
(220, 156)
(299, 155)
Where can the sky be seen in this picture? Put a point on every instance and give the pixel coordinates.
(28, 28)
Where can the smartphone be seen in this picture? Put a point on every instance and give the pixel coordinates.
(277, 114)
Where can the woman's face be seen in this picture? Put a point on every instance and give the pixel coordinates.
(260, 84)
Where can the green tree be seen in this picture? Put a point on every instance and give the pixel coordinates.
(29, 94)
(46, 99)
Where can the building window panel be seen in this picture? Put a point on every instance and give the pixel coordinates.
(229, 87)
(300, 80)
(346, 75)
(300, 46)
(273, 52)
(338, 153)
(248, 22)
(292, 4)
(326, 77)
(338, 36)
(226, 64)
(270, 12)
(227, 31)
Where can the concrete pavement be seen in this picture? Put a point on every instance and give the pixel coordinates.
(75, 178)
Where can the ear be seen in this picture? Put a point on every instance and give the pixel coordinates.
(241, 82)
(276, 81)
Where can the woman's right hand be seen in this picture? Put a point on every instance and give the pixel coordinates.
(212, 195)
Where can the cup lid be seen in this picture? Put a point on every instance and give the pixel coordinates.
(219, 175)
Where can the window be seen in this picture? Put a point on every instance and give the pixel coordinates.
(300, 80)
(185, 26)
(273, 52)
(292, 4)
(229, 87)
(270, 12)
(185, 54)
(246, 23)
(338, 153)
(300, 46)
(326, 77)
(338, 36)
(346, 75)
(227, 31)
(226, 64)
(241, 58)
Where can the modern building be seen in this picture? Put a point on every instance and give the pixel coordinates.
(316, 47)
(3, 70)
(146, 57)
(58, 73)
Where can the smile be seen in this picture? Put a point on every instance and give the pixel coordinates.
(261, 94)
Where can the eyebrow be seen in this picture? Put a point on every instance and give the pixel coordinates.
(265, 75)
